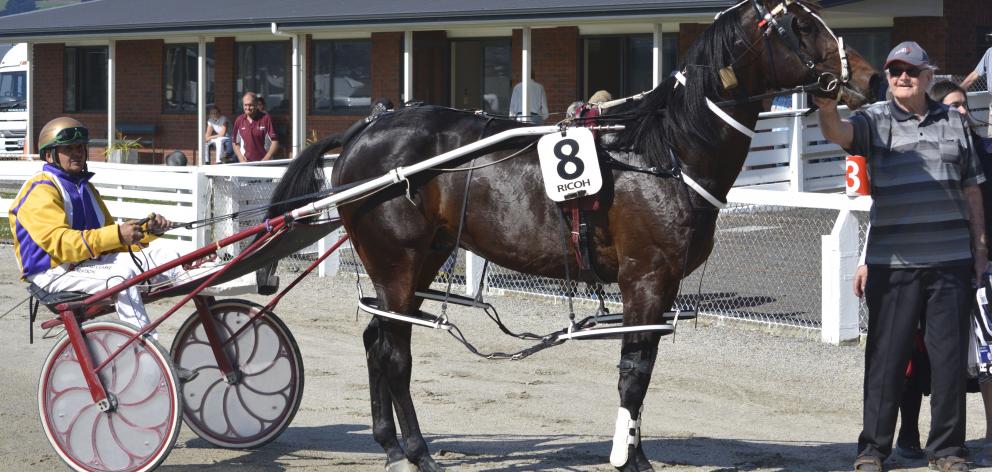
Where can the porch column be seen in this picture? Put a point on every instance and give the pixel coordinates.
(111, 91)
(407, 66)
(202, 155)
(29, 125)
(525, 74)
(295, 105)
(300, 91)
(657, 56)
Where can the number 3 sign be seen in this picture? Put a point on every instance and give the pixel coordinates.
(569, 164)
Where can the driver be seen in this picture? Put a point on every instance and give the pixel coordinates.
(66, 239)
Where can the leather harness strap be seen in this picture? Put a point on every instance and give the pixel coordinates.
(576, 212)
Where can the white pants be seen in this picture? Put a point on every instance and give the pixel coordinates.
(222, 147)
(108, 270)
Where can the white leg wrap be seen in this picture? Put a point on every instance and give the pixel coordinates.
(627, 433)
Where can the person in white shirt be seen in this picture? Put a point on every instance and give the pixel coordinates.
(536, 99)
(216, 135)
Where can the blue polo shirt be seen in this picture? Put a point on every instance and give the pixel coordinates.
(918, 170)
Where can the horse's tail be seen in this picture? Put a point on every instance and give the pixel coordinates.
(301, 184)
(304, 178)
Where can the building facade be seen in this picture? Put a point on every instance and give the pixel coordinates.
(145, 73)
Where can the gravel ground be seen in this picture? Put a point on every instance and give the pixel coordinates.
(724, 397)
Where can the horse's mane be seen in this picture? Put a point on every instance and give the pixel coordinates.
(669, 115)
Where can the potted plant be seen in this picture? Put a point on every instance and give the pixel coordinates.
(123, 150)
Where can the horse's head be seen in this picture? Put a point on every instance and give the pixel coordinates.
(801, 50)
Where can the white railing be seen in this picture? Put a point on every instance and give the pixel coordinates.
(789, 152)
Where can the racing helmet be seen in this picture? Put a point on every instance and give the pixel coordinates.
(60, 132)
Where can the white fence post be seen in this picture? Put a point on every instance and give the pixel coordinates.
(839, 319)
(473, 272)
(332, 264)
(201, 204)
(797, 176)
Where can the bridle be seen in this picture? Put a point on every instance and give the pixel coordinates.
(771, 22)
(778, 21)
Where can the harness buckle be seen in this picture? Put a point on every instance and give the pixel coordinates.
(827, 81)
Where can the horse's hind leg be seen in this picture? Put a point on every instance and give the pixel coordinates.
(387, 345)
(383, 427)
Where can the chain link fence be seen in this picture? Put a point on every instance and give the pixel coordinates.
(227, 195)
(765, 267)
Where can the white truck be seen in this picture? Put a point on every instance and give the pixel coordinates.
(13, 99)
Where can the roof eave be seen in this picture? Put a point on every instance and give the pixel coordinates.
(252, 25)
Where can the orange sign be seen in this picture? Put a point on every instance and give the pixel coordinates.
(857, 176)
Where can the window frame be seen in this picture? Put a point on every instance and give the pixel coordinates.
(333, 111)
(287, 84)
(188, 47)
(78, 82)
(584, 88)
(483, 41)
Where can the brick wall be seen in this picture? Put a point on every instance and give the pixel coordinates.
(387, 67)
(224, 76)
(431, 58)
(554, 61)
(958, 29)
(49, 83)
(934, 40)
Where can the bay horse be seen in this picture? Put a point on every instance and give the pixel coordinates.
(648, 232)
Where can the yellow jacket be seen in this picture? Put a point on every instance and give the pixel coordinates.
(57, 219)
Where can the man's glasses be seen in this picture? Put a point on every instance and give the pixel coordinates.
(913, 72)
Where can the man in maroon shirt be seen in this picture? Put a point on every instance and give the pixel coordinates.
(254, 135)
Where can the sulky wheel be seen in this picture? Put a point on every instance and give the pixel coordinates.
(262, 398)
(139, 431)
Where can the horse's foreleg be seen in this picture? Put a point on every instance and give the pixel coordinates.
(637, 358)
(383, 427)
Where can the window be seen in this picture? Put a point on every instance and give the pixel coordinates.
(85, 79)
(873, 44)
(262, 68)
(13, 91)
(180, 82)
(481, 75)
(342, 76)
(622, 65)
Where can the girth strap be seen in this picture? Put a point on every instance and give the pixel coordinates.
(576, 211)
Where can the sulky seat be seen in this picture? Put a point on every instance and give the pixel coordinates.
(51, 299)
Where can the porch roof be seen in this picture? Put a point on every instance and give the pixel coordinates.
(143, 17)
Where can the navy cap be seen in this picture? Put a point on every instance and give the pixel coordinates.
(909, 52)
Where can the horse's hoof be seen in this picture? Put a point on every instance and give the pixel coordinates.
(428, 464)
(637, 462)
(402, 465)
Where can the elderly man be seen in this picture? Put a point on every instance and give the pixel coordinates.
(926, 249)
(65, 238)
(254, 135)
